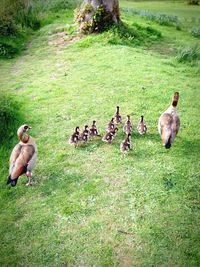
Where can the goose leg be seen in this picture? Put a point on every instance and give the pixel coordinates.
(29, 175)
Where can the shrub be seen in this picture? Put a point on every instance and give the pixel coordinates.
(133, 35)
(188, 54)
(195, 32)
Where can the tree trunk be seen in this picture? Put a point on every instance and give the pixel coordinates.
(97, 15)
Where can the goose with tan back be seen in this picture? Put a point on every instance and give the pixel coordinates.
(169, 123)
(23, 157)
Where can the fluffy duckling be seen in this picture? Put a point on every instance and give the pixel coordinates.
(23, 157)
(109, 137)
(142, 128)
(74, 138)
(128, 126)
(169, 123)
(126, 144)
(110, 126)
(117, 116)
(94, 130)
(85, 136)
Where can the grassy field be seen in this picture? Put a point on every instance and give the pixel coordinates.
(92, 206)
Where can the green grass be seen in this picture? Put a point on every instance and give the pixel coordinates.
(92, 206)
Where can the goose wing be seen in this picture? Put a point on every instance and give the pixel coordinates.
(21, 157)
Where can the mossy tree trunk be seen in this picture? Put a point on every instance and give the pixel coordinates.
(97, 15)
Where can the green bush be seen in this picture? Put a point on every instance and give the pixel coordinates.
(133, 35)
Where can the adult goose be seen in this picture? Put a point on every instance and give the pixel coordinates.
(23, 157)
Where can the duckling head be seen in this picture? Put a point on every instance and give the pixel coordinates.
(77, 130)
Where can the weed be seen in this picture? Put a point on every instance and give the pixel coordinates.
(195, 32)
(188, 54)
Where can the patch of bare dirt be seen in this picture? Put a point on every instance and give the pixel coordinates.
(162, 49)
(61, 38)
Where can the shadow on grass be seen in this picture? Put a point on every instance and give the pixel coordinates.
(91, 145)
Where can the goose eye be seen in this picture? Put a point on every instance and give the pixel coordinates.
(25, 127)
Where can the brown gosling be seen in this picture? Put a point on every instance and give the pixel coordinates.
(94, 130)
(128, 126)
(126, 144)
(74, 138)
(142, 128)
(110, 126)
(23, 157)
(109, 137)
(117, 116)
(169, 123)
(85, 136)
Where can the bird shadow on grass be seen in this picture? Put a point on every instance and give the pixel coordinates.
(91, 145)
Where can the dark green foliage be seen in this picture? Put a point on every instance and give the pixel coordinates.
(133, 35)
(10, 117)
(193, 2)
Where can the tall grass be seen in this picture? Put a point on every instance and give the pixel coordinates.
(160, 18)
(188, 54)
(195, 32)
(10, 117)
